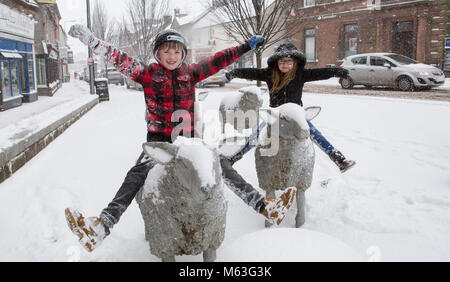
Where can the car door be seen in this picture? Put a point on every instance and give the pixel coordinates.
(359, 70)
(380, 74)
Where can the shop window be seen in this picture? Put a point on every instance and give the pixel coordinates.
(24, 74)
(447, 60)
(41, 75)
(31, 72)
(6, 79)
(351, 39)
(15, 77)
(310, 45)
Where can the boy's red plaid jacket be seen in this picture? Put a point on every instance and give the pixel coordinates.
(168, 91)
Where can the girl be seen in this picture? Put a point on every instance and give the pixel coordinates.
(285, 77)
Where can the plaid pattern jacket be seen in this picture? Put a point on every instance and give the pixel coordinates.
(167, 92)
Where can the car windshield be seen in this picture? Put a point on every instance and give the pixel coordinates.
(402, 60)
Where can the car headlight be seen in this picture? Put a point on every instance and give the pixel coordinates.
(423, 73)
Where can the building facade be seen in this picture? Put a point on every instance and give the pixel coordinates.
(48, 43)
(17, 53)
(206, 35)
(333, 29)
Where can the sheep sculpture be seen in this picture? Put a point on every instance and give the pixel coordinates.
(182, 200)
(247, 102)
(293, 162)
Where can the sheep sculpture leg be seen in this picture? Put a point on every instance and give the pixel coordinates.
(300, 217)
(168, 259)
(209, 255)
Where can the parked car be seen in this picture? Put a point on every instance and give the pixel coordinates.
(219, 78)
(132, 84)
(390, 69)
(113, 76)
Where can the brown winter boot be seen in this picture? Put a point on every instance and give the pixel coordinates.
(277, 207)
(339, 159)
(90, 231)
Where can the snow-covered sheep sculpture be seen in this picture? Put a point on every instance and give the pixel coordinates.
(240, 110)
(182, 201)
(293, 164)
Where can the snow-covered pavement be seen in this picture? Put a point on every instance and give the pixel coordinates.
(394, 205)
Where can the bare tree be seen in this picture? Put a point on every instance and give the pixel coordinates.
(103, 27)
(146, 18)
(244, 18)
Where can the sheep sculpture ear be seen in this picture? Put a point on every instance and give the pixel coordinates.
(160, 152)
(312, 112)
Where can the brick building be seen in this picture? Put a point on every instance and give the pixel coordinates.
(17, 55)
(48, 44)
(333, 29)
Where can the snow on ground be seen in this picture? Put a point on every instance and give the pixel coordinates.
(393, 205)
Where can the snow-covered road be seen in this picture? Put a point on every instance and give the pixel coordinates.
(394, 205)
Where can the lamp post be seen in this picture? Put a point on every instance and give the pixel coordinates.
(90, 58)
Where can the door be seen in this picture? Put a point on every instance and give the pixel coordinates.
(359, 70)
(15, 77)
(379, 74)
(403, 40)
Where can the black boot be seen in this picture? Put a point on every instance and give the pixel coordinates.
(339, 159)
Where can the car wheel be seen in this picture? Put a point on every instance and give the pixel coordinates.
(405, 83)
(222, 84)
(346, 83)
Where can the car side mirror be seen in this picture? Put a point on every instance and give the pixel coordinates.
(387, 65)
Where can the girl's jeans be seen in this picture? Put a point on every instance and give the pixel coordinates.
(319, 139)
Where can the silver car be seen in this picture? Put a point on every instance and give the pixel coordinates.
(114, 76)
(390, 69)
(219, 78)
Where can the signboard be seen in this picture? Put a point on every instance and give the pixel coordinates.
(15, 23)
(447, 43)
(293, 13)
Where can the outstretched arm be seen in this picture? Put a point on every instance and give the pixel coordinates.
(323, 73)
(248, 73)
(222, 59)
(125, 64)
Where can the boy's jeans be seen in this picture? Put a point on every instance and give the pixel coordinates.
(137, 175)
(319, 139)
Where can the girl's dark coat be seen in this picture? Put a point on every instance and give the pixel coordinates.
(291, 93)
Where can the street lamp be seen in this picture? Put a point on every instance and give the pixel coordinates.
(90, 58)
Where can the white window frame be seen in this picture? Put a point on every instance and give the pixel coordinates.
(307, 3)
(306, 37)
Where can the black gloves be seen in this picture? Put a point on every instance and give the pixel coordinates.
(229, 75)
(340, 72)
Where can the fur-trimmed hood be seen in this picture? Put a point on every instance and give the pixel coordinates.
(287, 50)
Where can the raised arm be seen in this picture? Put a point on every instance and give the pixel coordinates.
(248, 73)
(323, 73)
(125, 64)
(222, 59)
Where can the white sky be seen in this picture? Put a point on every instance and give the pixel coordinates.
(74, 11)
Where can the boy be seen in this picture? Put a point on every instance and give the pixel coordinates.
(169, 86)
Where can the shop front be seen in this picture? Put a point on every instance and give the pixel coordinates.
(17, 60)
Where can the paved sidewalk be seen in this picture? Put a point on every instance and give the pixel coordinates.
(26, 130)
